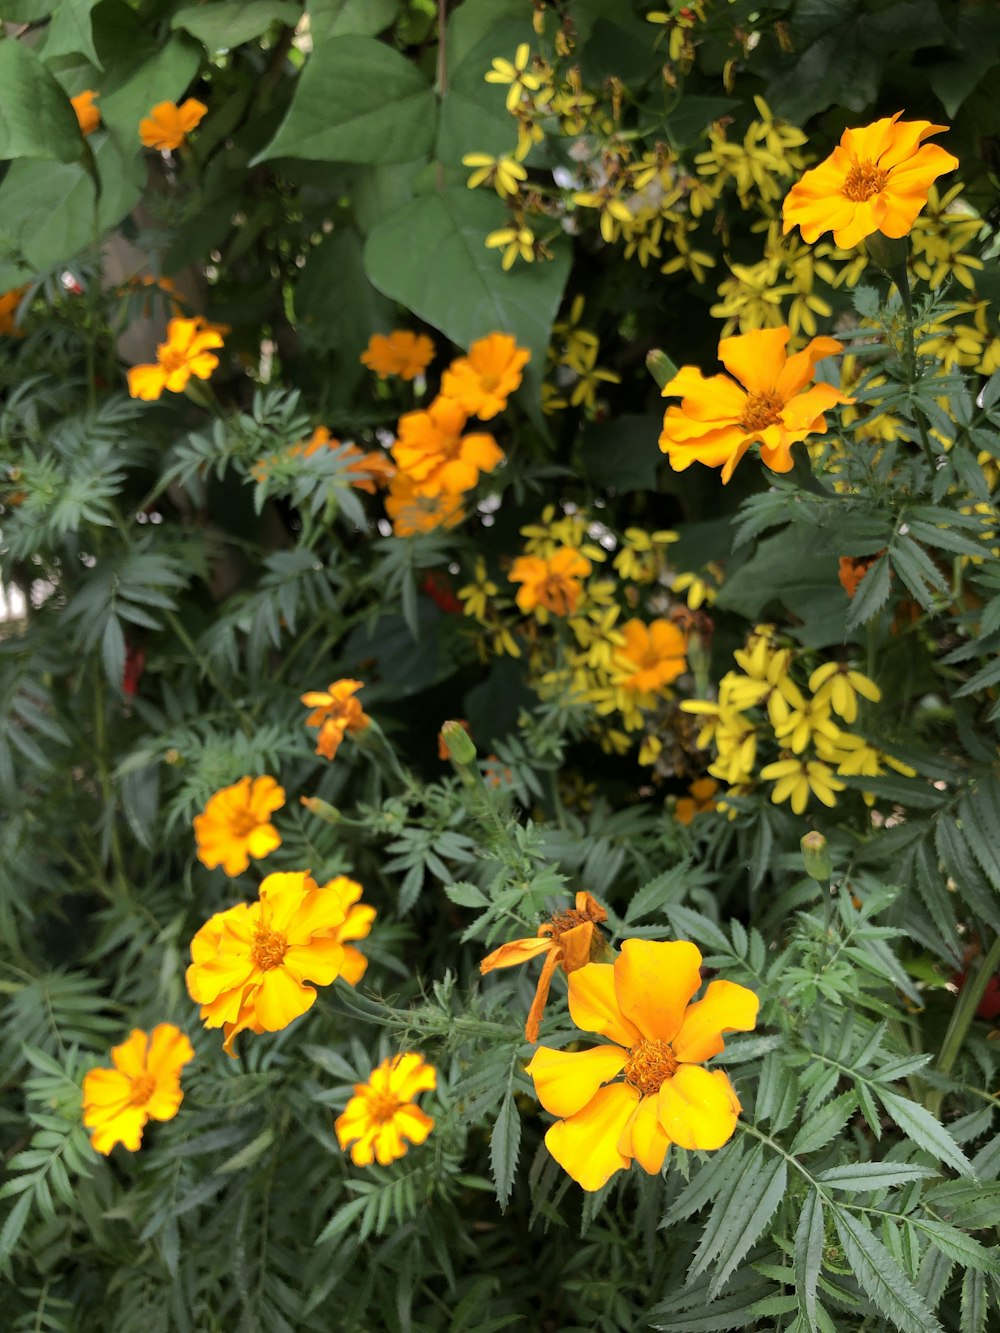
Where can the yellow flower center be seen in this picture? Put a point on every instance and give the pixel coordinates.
(650, 1064)
(269, 948)
(143, 1088)
(863, 180)
(762, 409)
(383, 1106)
(173, 358)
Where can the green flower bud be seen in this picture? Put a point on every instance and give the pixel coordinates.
(816, 856)
(660, 367)
(458, 743)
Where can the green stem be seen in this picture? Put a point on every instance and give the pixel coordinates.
(962, 1015)
(900, 278)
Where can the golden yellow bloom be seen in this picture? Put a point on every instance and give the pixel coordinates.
(382, 1114)
(483, 381)
(796, 779)
(719, 419)
(412, 511)
(841, 685)
(357, 925)
(87, 115)
(399, 353)
(145, 1084)
(9, 303)
(168, 125)
(699, 801)
(505, 174)
(185, 353)
(250, 964)
(655, 652)
(436, 457)
(335, 712)
(641, 1003)
(516, 75)
(570, 939)
(516, 242)
(877, 179)
(552, 583)
(235, 824)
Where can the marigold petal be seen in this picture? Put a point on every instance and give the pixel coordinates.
(643, 1137)
(515, 952)
(165, 1102)
(169, 1051)
(125, 1128)
(147, 382)
(105, 1088)
(318, 960)
(756, 358)
(409, 1074)
(130, 1056)
(354, 966)
(575, 946)
(725, 1007)
(413, 1123)
(798, 370)
(698, 1108)
(593, 1005)
(654, 980)
(280, 999)
(586, 1145)
(315, 914)
(565, 1081)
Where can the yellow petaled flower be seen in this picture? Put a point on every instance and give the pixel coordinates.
(838, 683)
(250, 964)
(401, 353)
(357, 925)
(796, 779)
(434, 455)
(700, 800)
(641, 1003)
(412, 511)
(145, 1084)
(719, 419)
(552, 583)
(168, 125)
(87, 115)
(235, 824)
(516, 242)
(516, 75)
(505, 174)
(185, 353)
(335, 712)
(654, 652)
(570, 940)
(382, 1115)
(877, 179)
(483, 381)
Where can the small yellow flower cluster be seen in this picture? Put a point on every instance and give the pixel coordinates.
(573, 367)
(762, 703)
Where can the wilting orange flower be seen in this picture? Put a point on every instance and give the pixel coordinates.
(412, 511)
(9, 303)
(382, 1113)
(399, 353)
(550, 583)
(185, 353)
(641, 1002)
(436, 456)
(357, 925)
(145, 1084)
(852, 569)
(335, 712)
(569, 939)
(250, 964)
(235, 824)
(700, 800)
(719, 419)
(483, 381)
(655, 651)
(877, 179)
(87, 114)
(168, 125)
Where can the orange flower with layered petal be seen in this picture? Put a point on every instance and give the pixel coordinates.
(357, 925)
(641, 1003)
(411, 511)
(168, 125)
(382, 1115)
(653, 655)
(399, 353)
(435, 456)
(87, 115)
(569, 940)
(235, 824)
(876, 179)
(550, 583)
(187, 352)
(250, 965)
(145, 1084)
(699, 800)
(719, 418)
(336, 712)
(9, 303)
(483, 381)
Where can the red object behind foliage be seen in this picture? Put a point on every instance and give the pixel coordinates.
(135, 665)
(437, 586)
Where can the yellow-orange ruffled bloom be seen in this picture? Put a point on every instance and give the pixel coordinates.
(186, 352)
(168, 125)
(550, 583)
(399, 353)
(335, 712)
(655, 651)
(250, 965)
(87, 115)
(435, 456)
(235, 824)
(357, 925)
(483, 381)
(700, 800)
(641, 1003)
(570, 940)
(382, 1115)
(718, 419)
(9, 303)
(876, 179)
(145, 1084)
(411, 511)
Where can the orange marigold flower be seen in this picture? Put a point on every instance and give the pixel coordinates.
(235, 824)
(550, 583)
(87, 115)
(357, 925)
(876, 179)
(399, 353)
(250, 964)
(335, 712)
(412, 511)
(185, 353)
(852, 569)
(655, 651)
(569, 940)
(9, 303)
(145, 1084)
(436, 456)
(168, 125)
(483, 381)
(382, 1115)
(719, 419)
(641, 1003)
(700, 800)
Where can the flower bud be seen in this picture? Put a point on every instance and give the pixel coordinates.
(458, 743)
(323, 809)
(887, 252)
(816, 857)
(660, 367)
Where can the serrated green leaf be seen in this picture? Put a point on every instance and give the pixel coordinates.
(768, 1191)
(975, 1303)
(824, 1124)
(809, 1239)
(925, 1130)
(505, 1143)
(863, 1176)
(872, 593)
(957, 1245)
(881, 1278)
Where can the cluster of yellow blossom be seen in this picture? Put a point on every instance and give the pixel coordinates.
(761, 704)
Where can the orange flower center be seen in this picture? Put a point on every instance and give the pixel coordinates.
(269, 948)
(650, 1064)
(762, 409)
(242, 823)
(863, 180)
(558, 594)
(488, 383)
(173, 358)
(383, 1106)
(143, 1088)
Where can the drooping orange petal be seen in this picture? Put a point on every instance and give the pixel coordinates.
(725, 1007)
(565, 1081)
(586, 1145)
(515, 952)
(654, 980)
(537, 1009)
(593, 1005)
(575, 946)
(698, 1108)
